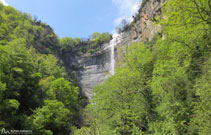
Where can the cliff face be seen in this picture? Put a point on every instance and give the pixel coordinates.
(89, 69)
(144, 28)
(94, 69)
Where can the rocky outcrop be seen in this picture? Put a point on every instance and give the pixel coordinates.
(94, 69)
(144, 27)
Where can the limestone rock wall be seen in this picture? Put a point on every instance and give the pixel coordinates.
(93, 69)
(144, 27)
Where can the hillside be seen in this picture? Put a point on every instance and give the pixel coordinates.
(152, 78)
(162, 81)
(35, 90)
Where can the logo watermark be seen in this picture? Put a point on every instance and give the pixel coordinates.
(17, 132)
(4, 131)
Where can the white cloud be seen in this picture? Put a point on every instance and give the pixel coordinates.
(126, 9)
(4, 2)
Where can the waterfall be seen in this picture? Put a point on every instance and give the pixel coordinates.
(112, 59)
(112, 45)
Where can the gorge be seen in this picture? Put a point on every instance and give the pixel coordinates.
(94, 69)
(153, 78)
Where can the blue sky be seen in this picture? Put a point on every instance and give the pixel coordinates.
(78, 18)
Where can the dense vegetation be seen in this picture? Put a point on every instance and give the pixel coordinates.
(162, 87)
(35, 91)
(16, 25)
(79, 46)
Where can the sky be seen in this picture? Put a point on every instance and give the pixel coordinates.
(78, 18)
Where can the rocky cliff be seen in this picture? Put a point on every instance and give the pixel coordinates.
(94, 69)
(144, 27)
(89, 69)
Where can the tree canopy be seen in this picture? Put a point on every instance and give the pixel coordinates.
(35, 92)
(162, 87)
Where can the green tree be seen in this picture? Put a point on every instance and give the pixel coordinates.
(52, 118)
(19, 81)
(201, 118)
(179, 62)
(123, 104)
(62, 90)
(32, 80)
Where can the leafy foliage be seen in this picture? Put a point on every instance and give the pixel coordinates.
(34, 89)
(15, 25)
(123, 105)
(161, 87)
(78, 46)
(50, 119)
(201, 118)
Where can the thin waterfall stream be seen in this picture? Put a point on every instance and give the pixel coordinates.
(112, 45)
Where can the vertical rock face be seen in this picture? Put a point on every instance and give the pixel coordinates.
(144, 27)
(89, 69)
(95, 69)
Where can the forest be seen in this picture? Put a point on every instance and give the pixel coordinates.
(161, 87)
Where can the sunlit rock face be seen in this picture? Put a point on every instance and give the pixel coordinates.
(94, 72)
(144, 27)
(97, 67)
(94, 69)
